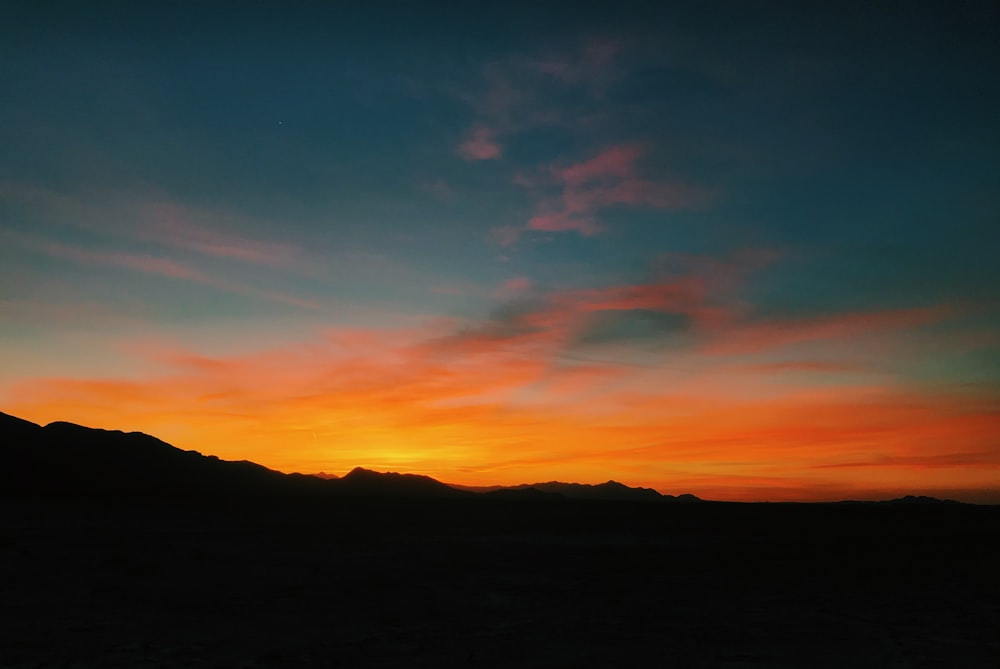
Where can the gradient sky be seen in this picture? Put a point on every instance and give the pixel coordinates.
(744, 250)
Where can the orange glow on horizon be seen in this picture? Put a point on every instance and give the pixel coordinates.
(470, 413)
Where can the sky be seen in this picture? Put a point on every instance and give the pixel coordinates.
(742, 250)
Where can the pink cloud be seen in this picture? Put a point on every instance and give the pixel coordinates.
(706, 293)
(687, 295)
(480, 145)
(519, 96)
(518, 284)
(681, 294)
(649, 194)
(551, 323)
(606, 180)
(513, 288)
(561, 221)
(613, 162)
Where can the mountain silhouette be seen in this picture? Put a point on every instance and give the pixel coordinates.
(65, 459)
(323, 475)
(16, 427)
(365, 482)
(908, 500)
(920, 499)
(610, 490)
(523, 493)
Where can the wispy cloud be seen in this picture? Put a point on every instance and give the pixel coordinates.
(166, 267)
(440, 189)
(481, 144)
(64, 312)
(757, 335)
(595, 66)
(145, 218)
(218, 247)
(504, 235)
(616, 162)
(577, 383)
(806, 366)
(561, 90)
(521, 93)
(937, 460)
(610, 178)
(172, 225)
(515, 286)
(139, 262)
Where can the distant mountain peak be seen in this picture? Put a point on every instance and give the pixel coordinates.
(609, 490)
(362, 481)
(364, 472)
(921, 499)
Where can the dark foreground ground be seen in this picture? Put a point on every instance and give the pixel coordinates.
(498, 584)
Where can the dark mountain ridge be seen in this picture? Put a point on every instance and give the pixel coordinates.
(65, 459)
(610, 490)
(365, 482)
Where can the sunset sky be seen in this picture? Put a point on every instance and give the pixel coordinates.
(743, 250)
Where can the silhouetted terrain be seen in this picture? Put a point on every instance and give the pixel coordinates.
(401, 571)
(66, 460)
(609, 491)
(361, 481)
